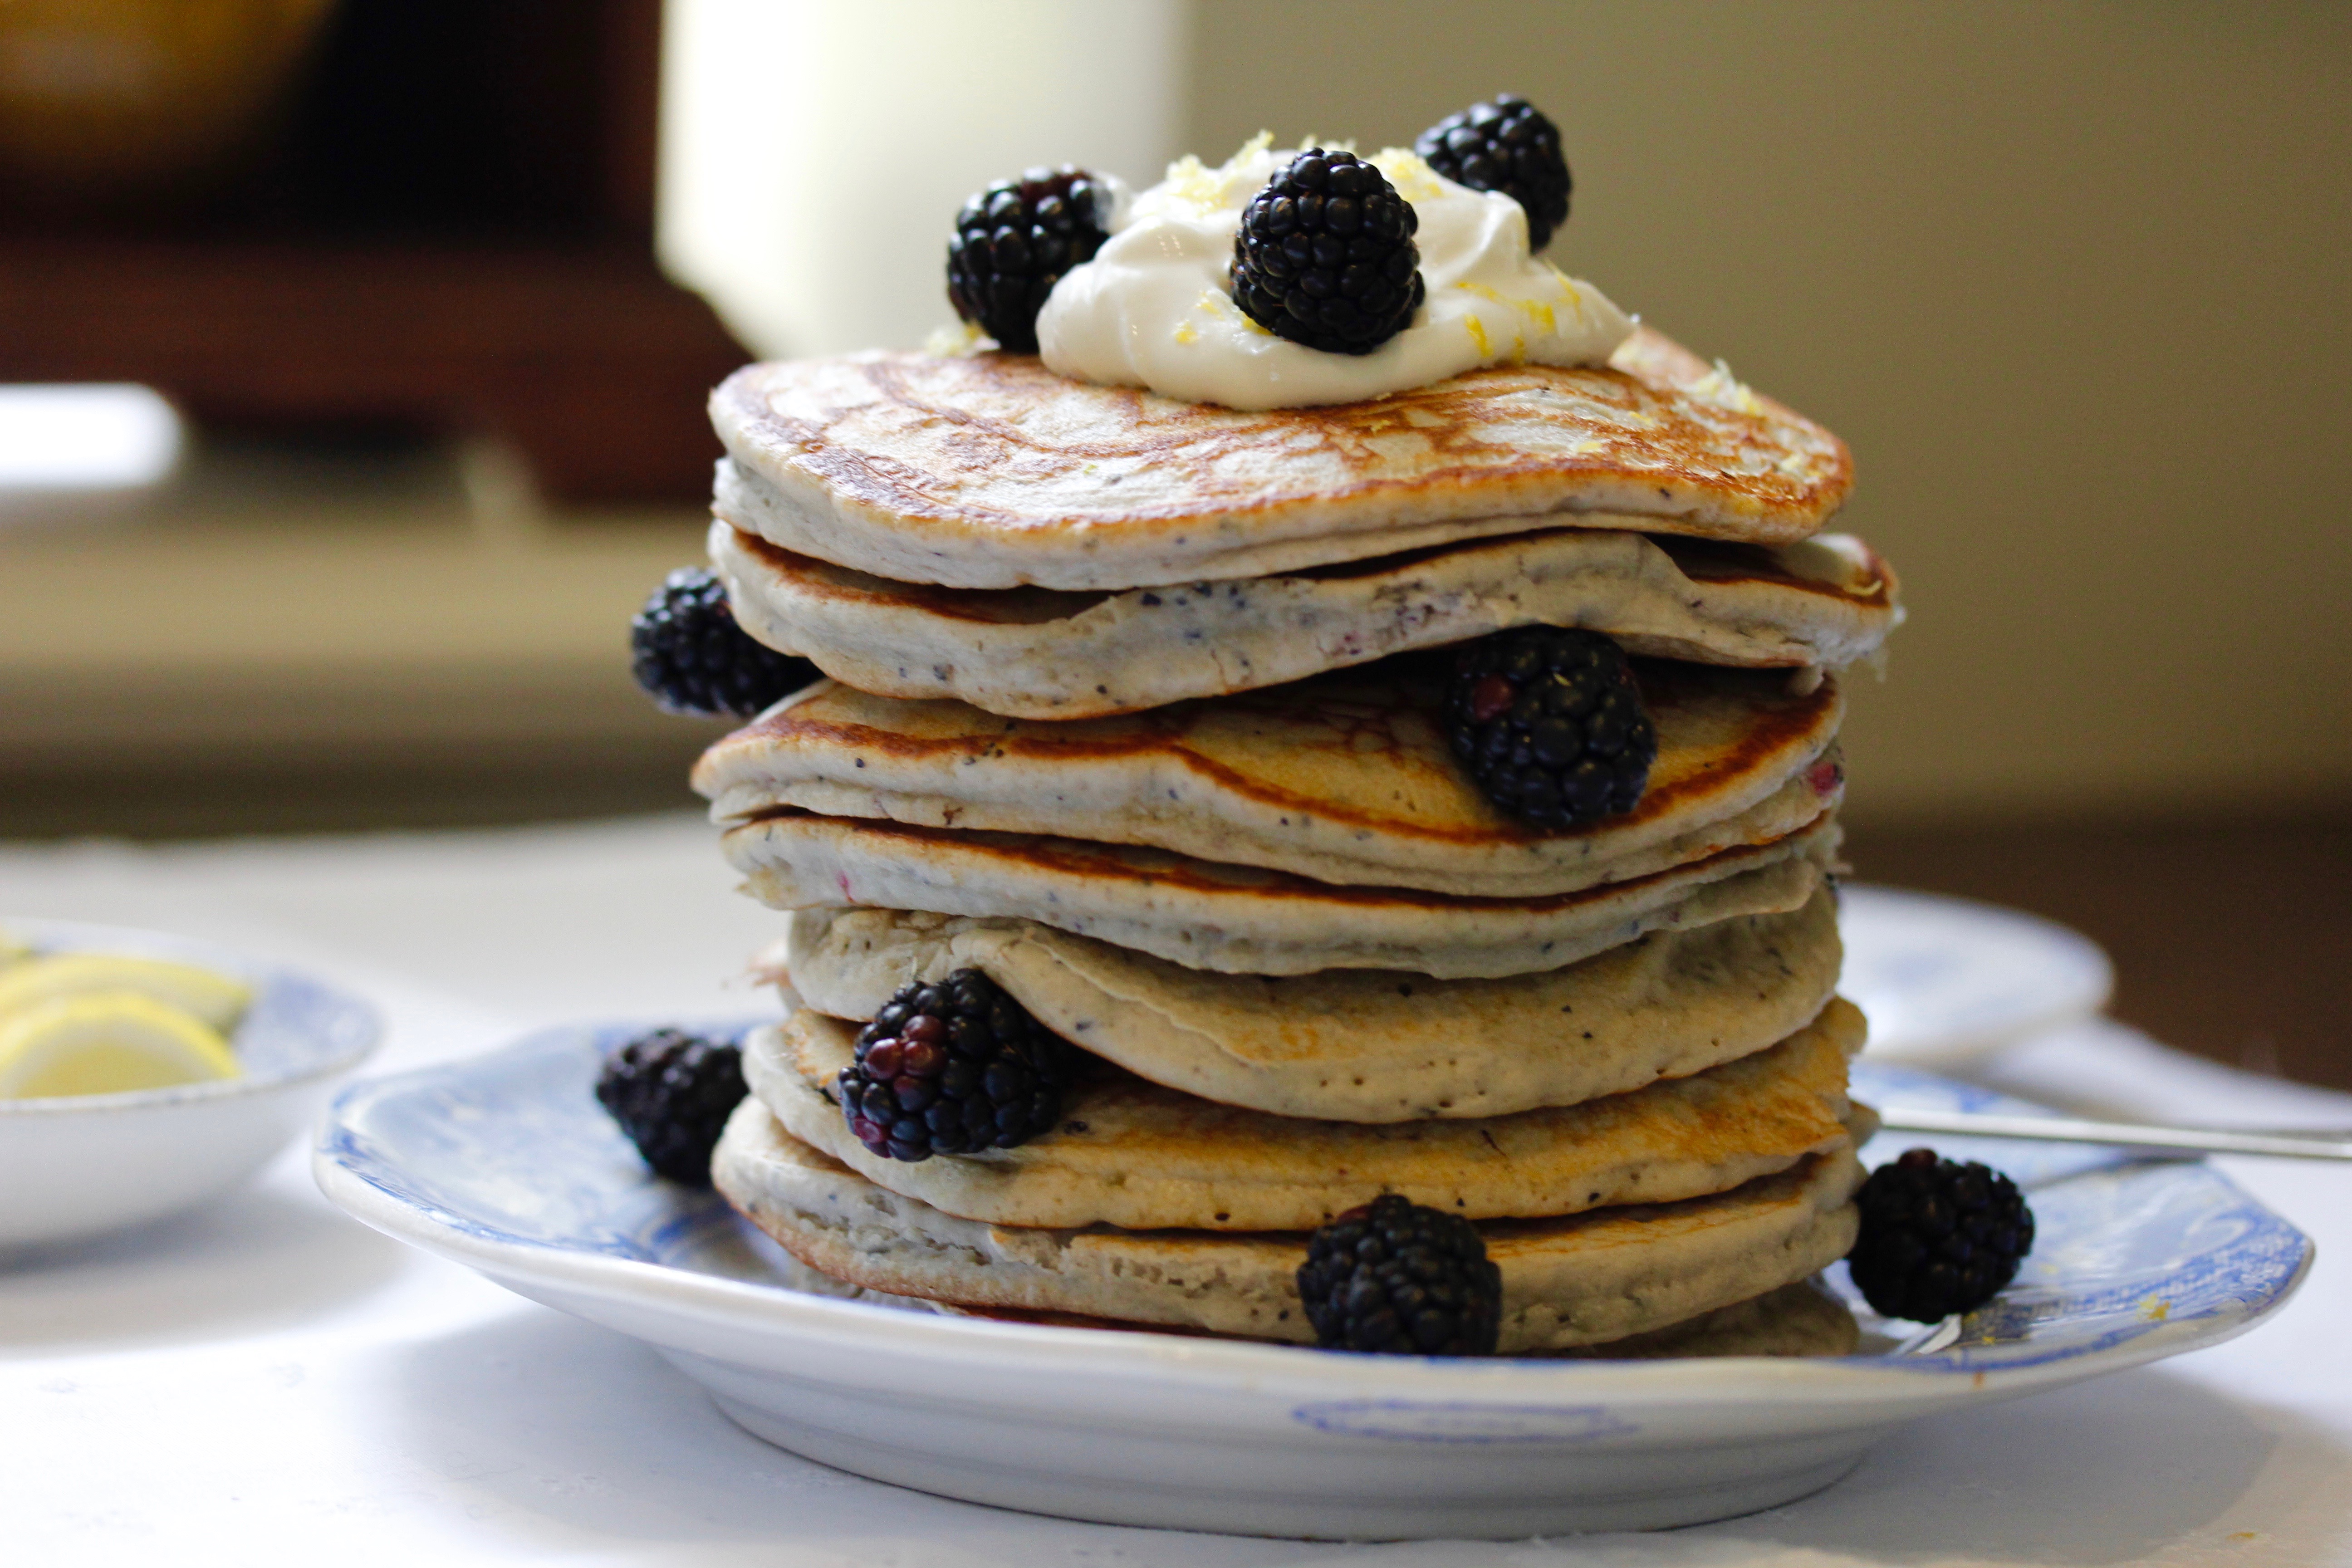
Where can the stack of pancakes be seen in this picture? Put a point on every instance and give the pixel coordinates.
(1137, 709)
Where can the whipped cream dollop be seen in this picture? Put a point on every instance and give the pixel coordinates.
(1153, 308)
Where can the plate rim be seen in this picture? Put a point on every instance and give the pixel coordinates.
(342, 1157)
(1959, 1047)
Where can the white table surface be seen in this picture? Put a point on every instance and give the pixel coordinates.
(266, 1382)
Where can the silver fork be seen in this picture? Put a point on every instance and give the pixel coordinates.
(2298, 1143)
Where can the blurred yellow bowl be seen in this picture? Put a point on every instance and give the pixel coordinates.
(214, 999)
(108, 1042)
(104, 98)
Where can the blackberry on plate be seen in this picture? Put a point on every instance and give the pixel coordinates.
(1014, 241)
(1397, 1277)
(952, 1068)
(1550, 725)
(1510, 146)
(687, 651)
(1326, 256)
(1938, 1236)
(672, 1093)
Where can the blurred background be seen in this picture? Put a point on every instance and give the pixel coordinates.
(354, 352)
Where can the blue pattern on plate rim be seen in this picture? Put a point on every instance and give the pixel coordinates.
(1463, 1421)
(512, 1148)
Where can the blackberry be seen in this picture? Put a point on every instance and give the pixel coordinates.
(690, 654)
(672, 1092)
(1510, 146)
(1550, 725)
(953, 1068)
(1938, 1236)
(1326, 258)
(1396, 1278)
(1014, 241)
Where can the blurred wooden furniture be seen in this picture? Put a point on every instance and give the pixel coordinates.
(450, 232)
(2228, 932)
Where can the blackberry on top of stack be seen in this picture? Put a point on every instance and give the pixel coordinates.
(1321, 821)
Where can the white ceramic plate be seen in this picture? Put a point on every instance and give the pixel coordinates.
(505, 1163)
(1946, 982)
(80, 1165)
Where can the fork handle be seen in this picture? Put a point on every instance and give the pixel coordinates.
(2285, 1143)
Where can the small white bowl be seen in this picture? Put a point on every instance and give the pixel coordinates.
(79, 1165)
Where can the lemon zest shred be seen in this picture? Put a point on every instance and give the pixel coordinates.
(1573, 294)
(1534, 309)
(1197, 185)
(1724, 390)
(1409, 173)
(959, 341)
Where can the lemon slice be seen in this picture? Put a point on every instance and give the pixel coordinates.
(215, 999)
(14, 949)
(106, 1042)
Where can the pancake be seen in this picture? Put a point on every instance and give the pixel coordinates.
(991, 471)
(1359, 1044)
(1346, 778)
(1246, 920)
(1132, 1154)
(1802, 1319)
(1585, 1279)
(1044, 652)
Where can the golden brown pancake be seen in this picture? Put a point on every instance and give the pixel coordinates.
(1132, 1154)
(1347, 778)
(1584, 1279)
(1048, 653)
(1246, 920)
(1356, 1044)
(991, 471)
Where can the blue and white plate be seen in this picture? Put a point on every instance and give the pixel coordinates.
(506, 1162)
(1947, 981)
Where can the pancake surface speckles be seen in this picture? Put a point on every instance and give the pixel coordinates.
(1347, 778)
(1582, 1280)
(1359, 1044)
(1133, 1154)
(1043, 653)
(1246, 920)
(991, 471)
